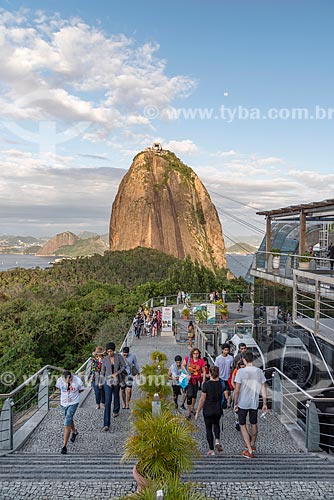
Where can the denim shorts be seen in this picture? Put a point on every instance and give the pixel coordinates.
(68, 412)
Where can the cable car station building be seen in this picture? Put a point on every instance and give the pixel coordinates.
(294, 284)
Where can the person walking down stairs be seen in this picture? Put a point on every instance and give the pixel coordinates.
(95, 371)
(70, 387)
(113, 368)
(132, 370)
(211, 402)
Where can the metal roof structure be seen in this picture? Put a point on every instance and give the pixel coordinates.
(322, 209)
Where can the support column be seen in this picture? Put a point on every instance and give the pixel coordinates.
(302, 233)
(268, 237)
(312, 427)
(6, 425)
(43, 391)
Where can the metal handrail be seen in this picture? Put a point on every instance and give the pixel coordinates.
(163, 299)
(291, 254)
(128, 338)
(39, 372)
(26, 382)
(307, 394)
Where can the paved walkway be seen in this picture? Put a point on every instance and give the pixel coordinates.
(273, 439)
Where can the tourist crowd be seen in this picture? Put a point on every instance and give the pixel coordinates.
(233, 382)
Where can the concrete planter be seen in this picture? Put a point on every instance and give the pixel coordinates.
(276, 261)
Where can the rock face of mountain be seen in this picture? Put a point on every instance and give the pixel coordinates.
(56, 242)
(162, 204)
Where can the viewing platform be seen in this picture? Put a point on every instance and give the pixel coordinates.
(282, 467)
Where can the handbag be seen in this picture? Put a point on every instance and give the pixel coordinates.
(183, 378)
(134, 371)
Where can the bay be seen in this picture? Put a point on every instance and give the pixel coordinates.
(10, 261)
(238, 264)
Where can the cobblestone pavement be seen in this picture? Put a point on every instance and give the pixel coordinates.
(273, 438)
(104, 490)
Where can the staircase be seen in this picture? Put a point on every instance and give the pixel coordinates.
(229, 468)
(92, 467)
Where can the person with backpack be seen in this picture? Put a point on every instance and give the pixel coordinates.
(174, 373)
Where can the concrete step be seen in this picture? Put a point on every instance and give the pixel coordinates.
(234, 468)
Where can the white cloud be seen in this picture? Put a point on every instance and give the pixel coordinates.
(59, 69)
(186, 147)
(224, 154)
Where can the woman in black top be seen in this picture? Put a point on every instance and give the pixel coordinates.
(210, 401)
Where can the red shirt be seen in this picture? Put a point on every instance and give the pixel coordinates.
(195, 369)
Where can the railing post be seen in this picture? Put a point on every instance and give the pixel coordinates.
(277, 396)
(43, 391)
(88, 370)
(312, 427)
(288, 267)
(6, 425)
(152, 302)
(317, 302)
(165, 301)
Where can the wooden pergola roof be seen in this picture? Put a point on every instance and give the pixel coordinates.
(318, 207)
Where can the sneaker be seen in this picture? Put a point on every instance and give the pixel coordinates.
(98, 407)
(218, 447)
(183, 407)
(246, 454)
(237, 426)
(64, 450)
(211, 453)
(105, 428)
(224, 405)
(115, 415)
(253, 448)
(73, 436)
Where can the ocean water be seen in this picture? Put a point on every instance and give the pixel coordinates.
(238, 264)
(9, 261)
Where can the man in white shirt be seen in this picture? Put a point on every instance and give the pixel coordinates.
(225, 363)
(70, 387)
(249, 383)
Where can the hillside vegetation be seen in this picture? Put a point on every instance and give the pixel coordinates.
(57, 315)
(83, 248)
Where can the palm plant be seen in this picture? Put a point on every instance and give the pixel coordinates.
(163, 445)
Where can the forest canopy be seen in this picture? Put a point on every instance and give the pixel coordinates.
(57, 315)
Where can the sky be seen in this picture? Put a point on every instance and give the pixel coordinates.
(241, 91)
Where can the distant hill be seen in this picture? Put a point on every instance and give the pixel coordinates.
(84, 235)
(243, 248)
(12, 241)
(83, 247)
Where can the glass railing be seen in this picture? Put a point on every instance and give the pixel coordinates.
(283, 264)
